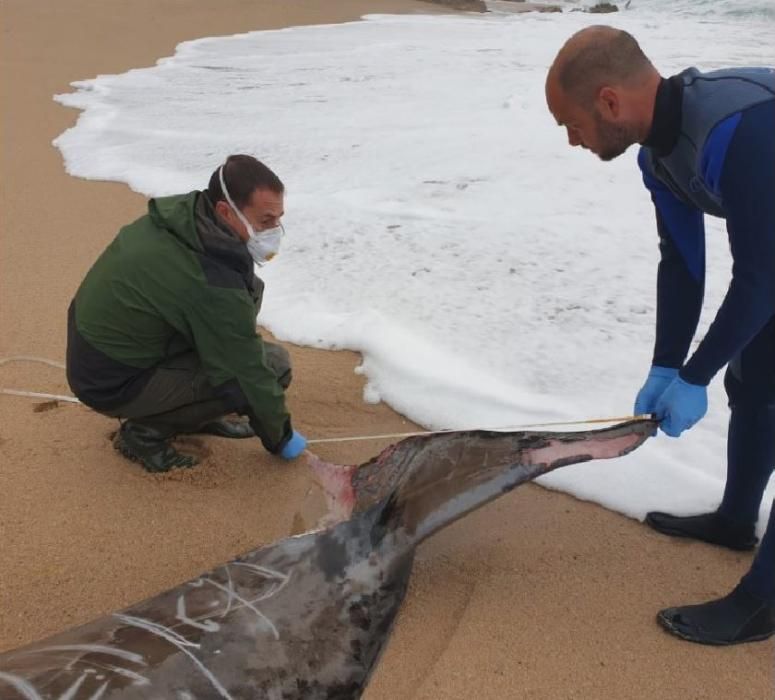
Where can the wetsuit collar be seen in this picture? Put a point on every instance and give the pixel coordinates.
(666, 124)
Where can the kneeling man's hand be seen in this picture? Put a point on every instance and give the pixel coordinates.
(294, 447)
(680, 406)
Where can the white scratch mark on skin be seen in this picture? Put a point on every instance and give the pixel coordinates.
(91, 670)
(25, 689)
(277, 581)
(73, 689)
(159, 630)
(51, 679)
(231, 589)
(91, 648)
(207, 625)
(265, 570)
(136, 677)
(278, 578)
(248, 604)
(100, 691)
(177, 641)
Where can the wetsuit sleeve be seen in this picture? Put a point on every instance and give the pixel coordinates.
(223, 326)
(738, 165)
(681, 273)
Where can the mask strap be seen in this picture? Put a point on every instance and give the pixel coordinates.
(239, 214)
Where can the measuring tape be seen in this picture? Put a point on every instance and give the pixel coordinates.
(355, 438)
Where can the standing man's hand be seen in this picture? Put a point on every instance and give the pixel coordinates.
(658, 380)
(681, 406)
(294, 447)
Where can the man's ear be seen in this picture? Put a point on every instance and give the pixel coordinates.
(223, 209)
(608, 103)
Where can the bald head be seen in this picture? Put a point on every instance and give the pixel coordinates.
(602, 88)
(595, 57)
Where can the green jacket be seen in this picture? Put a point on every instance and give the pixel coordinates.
(175, 280)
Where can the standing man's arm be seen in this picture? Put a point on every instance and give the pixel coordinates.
(680, 286)
(739, 166)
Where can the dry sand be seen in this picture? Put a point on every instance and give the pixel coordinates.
(536, 596)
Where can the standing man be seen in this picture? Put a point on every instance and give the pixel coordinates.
(708, 147)
(162, 331)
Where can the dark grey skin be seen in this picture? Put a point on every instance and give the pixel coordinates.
(306, 617)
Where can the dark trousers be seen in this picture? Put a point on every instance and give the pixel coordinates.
(179, 398)
(750, 385)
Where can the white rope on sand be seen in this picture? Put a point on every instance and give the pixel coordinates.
(35, 394)
(319, 441)
(38, 395)
(31, 358)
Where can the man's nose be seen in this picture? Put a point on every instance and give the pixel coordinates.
(573, 138)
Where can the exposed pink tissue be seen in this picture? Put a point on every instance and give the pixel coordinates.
(595, 448)
(337, 483)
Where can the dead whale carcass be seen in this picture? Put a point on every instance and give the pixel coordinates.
(308, 616)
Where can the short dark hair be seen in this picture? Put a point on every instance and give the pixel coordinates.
(243, 175)
(607, 55)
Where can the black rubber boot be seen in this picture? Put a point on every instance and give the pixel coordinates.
(150, 447)
(226, 429)
(734, 619)
(713, 528)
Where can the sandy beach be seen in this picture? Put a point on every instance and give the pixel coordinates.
(538, 595)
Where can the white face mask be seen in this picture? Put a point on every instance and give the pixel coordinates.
(262, 245)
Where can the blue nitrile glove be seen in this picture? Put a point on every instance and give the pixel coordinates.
(658, 380)
(294, 447)
(681, 406)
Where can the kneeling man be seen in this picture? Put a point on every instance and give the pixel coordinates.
(162, 331)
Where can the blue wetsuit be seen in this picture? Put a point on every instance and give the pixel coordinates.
(711, 150)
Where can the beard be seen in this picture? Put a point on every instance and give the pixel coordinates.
(614, 139)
